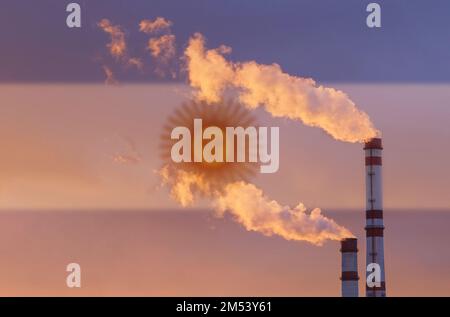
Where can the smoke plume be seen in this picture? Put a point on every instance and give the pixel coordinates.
(256, 212)
(250, 207)
(282, 95)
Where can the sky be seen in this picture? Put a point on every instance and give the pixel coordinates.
(68, 146)
(177, 253)
(327, 40)
(81, 151)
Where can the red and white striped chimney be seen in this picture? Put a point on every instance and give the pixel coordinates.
(349, 277)
(374, 214)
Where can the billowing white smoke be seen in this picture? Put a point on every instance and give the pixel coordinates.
(256, 212)
(282, 95)
(250, 207)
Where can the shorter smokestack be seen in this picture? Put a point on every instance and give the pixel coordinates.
(349, 277)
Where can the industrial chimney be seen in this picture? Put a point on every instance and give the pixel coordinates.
(349, 277)
(374, 215)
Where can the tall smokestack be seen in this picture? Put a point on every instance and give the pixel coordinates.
(374, 214)
(349, 277)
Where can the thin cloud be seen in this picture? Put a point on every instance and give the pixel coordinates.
(158, 25)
